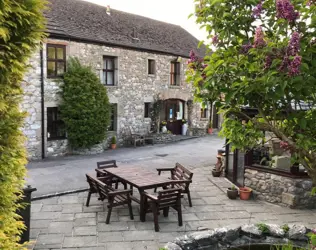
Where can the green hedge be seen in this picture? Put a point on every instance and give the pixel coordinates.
(85, 108)
(21, 29)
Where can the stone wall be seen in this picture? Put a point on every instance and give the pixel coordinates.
(134, 87)
(246, 235)
(295, 193)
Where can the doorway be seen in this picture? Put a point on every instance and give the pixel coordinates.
(174, 113)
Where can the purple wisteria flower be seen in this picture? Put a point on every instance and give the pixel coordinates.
(294, 44)
(259, 38)
(215, 40)
(256, 12)
(286, 10)
(311, 2)
(268, 62)
(284, 64)
(245, 48)
(294, 66)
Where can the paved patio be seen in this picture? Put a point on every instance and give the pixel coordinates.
(65, 223)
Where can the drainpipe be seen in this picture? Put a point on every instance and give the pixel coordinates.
(42, 102)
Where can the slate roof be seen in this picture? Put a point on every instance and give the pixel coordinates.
(76, 19)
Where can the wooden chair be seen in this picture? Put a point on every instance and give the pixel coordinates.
(148, 135)
(115, 198)
(93, 189)
(165, 199)
(107, 164)
(180, 173)
(134, 138)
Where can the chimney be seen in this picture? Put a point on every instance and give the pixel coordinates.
(108, 10)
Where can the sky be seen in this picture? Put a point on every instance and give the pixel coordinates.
(171, 11)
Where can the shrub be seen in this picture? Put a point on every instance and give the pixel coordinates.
(21, 29)
(85, 108)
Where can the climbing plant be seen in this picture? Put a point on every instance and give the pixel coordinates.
(21, 30)
(85, 108)
(155, 113)
(264, 57)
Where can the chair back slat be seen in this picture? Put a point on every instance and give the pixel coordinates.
(103, 189)
(168, 197)
(106, 164)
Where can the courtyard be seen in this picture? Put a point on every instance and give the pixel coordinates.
(64, 222)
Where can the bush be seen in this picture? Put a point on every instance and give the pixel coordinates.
(20, 33)
(85, 108)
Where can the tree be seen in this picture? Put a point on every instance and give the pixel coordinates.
(265, 58)
(21, 30)
(85, 108)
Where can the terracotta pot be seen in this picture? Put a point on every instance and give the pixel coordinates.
(113, 146)
(244, 193)
(232, 193)
(216, 173)
(210, 131)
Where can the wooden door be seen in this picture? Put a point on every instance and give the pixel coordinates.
(174, 115)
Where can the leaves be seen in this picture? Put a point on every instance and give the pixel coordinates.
(85, 108)
(20, 22)
(239, 74)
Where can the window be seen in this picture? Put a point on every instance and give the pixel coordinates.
(109, 71)
(147, 109)
(175, 74)
(113, 123)
(55, 126)
(203, 113)
(151, 67)
(56, 60)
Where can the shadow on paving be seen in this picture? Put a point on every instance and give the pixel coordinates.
(66, 223)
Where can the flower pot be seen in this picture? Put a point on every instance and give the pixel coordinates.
(210, 131)
(295, 169)
(164, 129)
(244, 193)
(216, 173)
(232, 193)
(113, 146)
(184, 129)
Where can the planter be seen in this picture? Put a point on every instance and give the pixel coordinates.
(295, 169)
(164, 129)
(25, 213)
(210, 131)
(216, 173)
(244, 193)
(184, 129)
(113, 146)
(232, 193)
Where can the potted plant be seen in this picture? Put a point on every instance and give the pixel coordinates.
(184, 127)
(164, 127)
(210, 128)
(232, 193)
(244, 193)
(113, 142)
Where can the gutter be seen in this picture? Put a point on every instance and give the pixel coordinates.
(42, 102)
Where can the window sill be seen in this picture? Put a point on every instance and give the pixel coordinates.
(151, 75)
(111, 86)
(174, 86)
(57, 139)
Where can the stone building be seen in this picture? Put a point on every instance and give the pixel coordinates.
(136, 58)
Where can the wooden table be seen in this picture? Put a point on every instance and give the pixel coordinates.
(141, 179)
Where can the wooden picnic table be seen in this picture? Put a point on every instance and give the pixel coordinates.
(141, 179)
